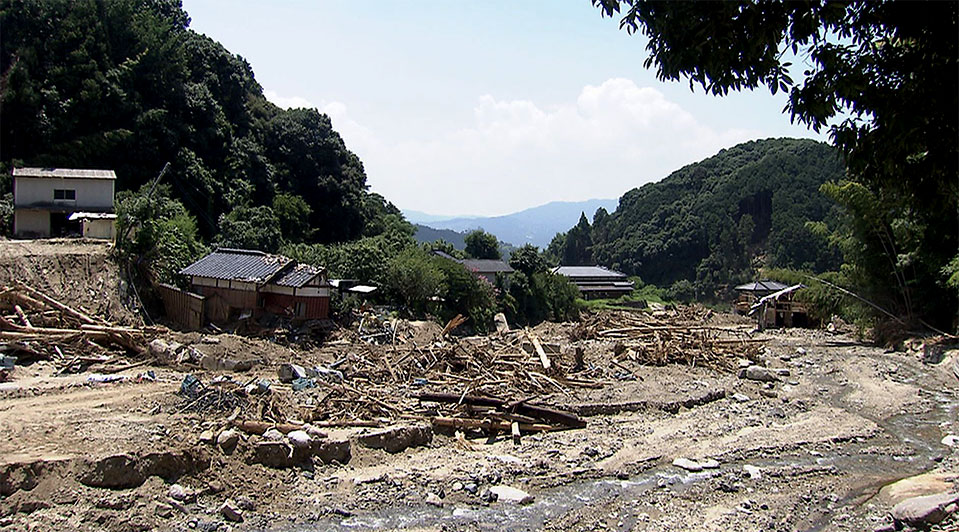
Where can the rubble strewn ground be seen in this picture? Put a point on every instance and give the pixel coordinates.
(692, 422)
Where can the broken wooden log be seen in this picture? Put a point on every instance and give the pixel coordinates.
(22, 315)
(489, 425)
(540, 412)
(57, 305)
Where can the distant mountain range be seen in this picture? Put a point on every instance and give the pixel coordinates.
(537, 225)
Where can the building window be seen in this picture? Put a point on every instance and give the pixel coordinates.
(64, 194)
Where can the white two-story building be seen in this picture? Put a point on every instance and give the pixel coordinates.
(44, 199)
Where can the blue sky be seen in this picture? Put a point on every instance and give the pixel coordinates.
(485, 107)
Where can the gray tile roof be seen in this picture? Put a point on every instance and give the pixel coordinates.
(297, 276)
(64, 173)
(238, 265)
(575, 272)
(487, 266)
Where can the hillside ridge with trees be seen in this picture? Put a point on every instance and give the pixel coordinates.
(712, 224)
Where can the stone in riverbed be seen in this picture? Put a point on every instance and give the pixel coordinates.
(759, 373)
(687, 464)
(228, 440)
(925, 510)
(510, 494)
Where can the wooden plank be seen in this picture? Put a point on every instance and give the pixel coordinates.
(539, 349)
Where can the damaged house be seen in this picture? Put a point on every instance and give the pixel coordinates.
(232, 284)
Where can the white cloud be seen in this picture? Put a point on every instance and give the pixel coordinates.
(518, 153)
(288, 102)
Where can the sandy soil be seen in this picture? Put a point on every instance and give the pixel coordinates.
(825, 446)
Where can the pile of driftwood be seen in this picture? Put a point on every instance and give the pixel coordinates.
(38, 327)
(494, 416)
(650, 341)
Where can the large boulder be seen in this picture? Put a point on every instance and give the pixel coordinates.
(397, 438)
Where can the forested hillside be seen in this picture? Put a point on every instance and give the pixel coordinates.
(126, 85)
(714, 222)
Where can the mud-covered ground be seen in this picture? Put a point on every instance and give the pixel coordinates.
(851, 430)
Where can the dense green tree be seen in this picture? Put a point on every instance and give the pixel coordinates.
(882, 75)
(482, 245)
(578, 246)
(250, 228)
(528, 260)
(443, 246)
(293, 214)
(414, 278)
(158, 231)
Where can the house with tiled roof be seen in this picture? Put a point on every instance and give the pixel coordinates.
(596, 282)
(237, 283)
(482, 268)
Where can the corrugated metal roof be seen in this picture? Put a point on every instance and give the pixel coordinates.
(238, 265)
(487, 266)
(297, 276)
(92, 216)
(588, 271)
(761, 286)
(64, 173)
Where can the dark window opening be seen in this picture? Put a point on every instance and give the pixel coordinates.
(64, 194)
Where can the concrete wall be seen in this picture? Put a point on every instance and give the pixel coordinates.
(93, 194)
(31, 223)
(99, 228)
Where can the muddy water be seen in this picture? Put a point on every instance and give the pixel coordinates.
(918, 437)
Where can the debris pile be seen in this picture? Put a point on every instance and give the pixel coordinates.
(36, 326)
(493, 415)
(651, 341)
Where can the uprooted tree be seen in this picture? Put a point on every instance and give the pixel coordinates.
(884, 78)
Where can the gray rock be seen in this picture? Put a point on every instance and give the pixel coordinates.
(434, 499)
(207, 437)
(230, 511)
(228, 440)
(512, 495)
(299, 439)
(783, 372)
(471, 488)
(925, 510)
(759, 373)
(181, 493)
(739, 397)
(290, 372)
(753, 471)
(397, 438)
(687, 464)
(245, 503)
(950, 440)
(709, 464)
(273, 435)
